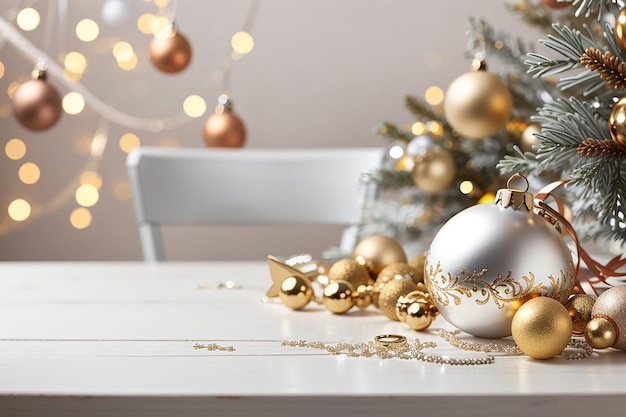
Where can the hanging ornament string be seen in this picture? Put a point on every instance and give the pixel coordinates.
(602, 272)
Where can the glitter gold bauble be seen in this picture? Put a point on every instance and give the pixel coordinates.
(36, 104)
(390, 293)
(434, 171)
(528, 138)
(339, 296)
(349, 270)
(617, 123)
(579, 307)
(477, 104)
(170, 54)
(378, 251)
(295, 292)
(417, 262)
(395, 270)
(542, 327)
(611, 307)
(620, 29)
(224, 130)
(489, 258)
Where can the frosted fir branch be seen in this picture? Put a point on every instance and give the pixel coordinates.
(390, 179)
(569, 43)
(525, 164)
(424, 112)
(533, 13)
(595, 9)
(509, 49)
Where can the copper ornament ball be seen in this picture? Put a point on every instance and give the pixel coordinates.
(224, 130)
(477, 104)
(171, 54)
(37, 105)
(617, 123)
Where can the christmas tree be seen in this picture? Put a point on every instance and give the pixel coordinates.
(564, 122)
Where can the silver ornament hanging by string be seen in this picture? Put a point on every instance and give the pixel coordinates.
(487, 260)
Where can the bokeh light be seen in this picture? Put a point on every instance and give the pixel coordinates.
(19, 210)
(87, 195)
(87, 30)
(15, 149)
(29, 173)
(128, 142)
(434, 95)
(80, 218)
(242, 42)
(28, 19)
(91, 178)
(73, 103)
(2, 69)
(194, 106)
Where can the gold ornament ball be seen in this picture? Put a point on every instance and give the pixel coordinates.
(620, 29)
(542, 327)
(434, 172)
(363, 296)
(224, 130)
(617, 123)
(397, 270)
(171, 54)
(37, 105)
(611, 306)
(349, 270)
(477, 104)
(417, 262)
(295, 292)
(339, 296)
(528, 138)
(600, 333)
(416, 309)
(378, 251)
(390, 294)
(579, 308)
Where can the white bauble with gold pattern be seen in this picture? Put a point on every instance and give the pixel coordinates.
(487, 260)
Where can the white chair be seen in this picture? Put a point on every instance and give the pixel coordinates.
(248, 186)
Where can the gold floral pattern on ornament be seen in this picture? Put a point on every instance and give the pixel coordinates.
(446, 287)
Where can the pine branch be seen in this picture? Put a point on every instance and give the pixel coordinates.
(608, 66)
(595, 147)
(421, 110)
(391, 131)
(390, 179)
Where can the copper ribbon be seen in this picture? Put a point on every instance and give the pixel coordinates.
(601, 272)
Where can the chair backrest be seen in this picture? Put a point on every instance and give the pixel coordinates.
(246, 186)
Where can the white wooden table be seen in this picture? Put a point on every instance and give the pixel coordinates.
(96, 339)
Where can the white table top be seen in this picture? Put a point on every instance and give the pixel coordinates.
(97, 338)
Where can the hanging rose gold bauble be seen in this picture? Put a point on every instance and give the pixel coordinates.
(224, 129)
(617, 123)
(607, 327)
(528, 138)
(620, 29)
(434, 171)
(477, 104)
(36, 104)
(170, 54)
(555, 4)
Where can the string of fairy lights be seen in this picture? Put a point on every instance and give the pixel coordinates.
(68, 71)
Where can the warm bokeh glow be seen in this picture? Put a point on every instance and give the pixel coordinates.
(396, 152)
(73, 103)
(242, 42)
(87, 195)
(435, 127)
(487, 198)
(19, 210)
(128, 142)
(15, 149)
(75, 62)
(130, 64)
(466, 187)
(123, 51)
(144, 23)
(28, 19)
(162, 27)
(122, 191)
(91, 178)
(418, 128)
(29, 173)
(11, 89)
(434, 95)
(194, 106)
(87, 30)
(2, 69)
(161, 3)
(80, 218)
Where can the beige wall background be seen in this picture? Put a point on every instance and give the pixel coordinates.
(322, 74)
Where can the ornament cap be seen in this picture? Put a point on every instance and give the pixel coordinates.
(513, 197)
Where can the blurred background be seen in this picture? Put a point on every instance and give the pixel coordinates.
(304, 74)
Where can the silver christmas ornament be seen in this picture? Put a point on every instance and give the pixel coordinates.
(487, 260)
